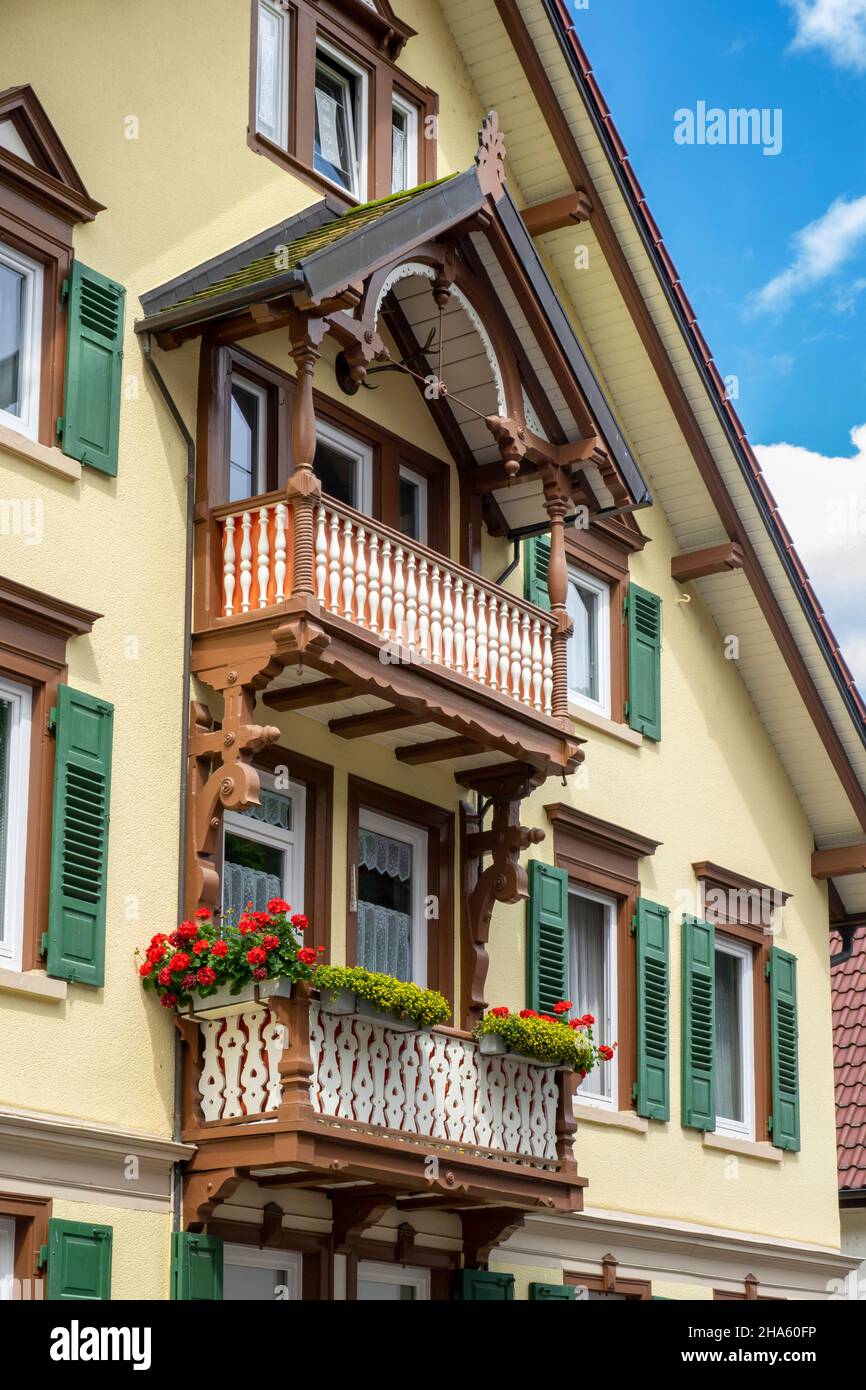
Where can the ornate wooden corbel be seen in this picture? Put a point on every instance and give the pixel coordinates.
(203, 1193)
(504, 880)
(486, 1228)
(490, 156)
(354, 1213)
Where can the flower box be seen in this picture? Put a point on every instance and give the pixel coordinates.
(338, 1001)
(223, 1004)
(492, 1045)
(388, 1018)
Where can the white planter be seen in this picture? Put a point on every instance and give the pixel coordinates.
(492, 1045)
(388, 1019)
(223, 1004)
(337, 1001)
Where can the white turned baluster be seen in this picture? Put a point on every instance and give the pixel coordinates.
(547, 667)
(321, 553)
(246, 561)
(493, 644)
(373, 575)
(264, 554)
(229, 568)
(334, 563)
(448, 622)
(504, 647)
(361, 578)
(435, 616)
(423, 609)
(280, 524)
(459, 625)
(515, 653)
(387, 589)
(348, 568)
(399, 594)
(525, 661)
(411, 600)
(481, 628)
(536, 663)
(469, 657)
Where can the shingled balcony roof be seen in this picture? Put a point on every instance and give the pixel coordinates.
(849, 1044)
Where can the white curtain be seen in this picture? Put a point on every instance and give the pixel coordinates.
(384, 940)
(588, 922)
(243, 885)
(729, 1091)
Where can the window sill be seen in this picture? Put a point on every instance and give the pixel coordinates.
(11, 442)
(615, 1119)
(580, 715)
(34, 983)
(749, 1148)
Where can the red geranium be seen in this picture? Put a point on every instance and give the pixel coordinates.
(562, 1007)
(164, 976)
(169, 1001)
(527, 1013)
(179, 961)
(278, 905)
(203, 913)
(500, 1011)
(307, 956)
(588, 1020)
(220, 948)
(300, 922)
(256, 956)
(154, 954)
(187, 931)
(246, 925)
(270, 943)
(206, 976)
(605, 1052)
(260, 973)
(145, 969)
(201, 946)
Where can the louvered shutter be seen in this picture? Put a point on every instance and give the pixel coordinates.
(196, 1267)
(483, 1286)
(542, 1293)
(699, 1024)
(652, 1092)
(90, 425)
(644, 617)
(785, 1119)
(79, 837)
(79, 1260)
(547, 937)
(536, 562)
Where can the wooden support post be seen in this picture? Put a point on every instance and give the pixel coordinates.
(304, 489)
(557, 496)
(296, 1064)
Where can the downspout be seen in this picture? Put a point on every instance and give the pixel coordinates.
(177, 1178)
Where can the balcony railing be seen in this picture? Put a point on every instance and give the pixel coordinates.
(432, 609)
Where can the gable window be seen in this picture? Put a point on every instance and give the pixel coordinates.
(593, 979)
(272, 73)
(345, 466)
(20, 341)
(247, 439)
(265, 1276)
(391, 894)
(588, 603)
(413, 504)
(404, 145)
(263, 850)
(15, 710)
(339, 150)
(735, 1038)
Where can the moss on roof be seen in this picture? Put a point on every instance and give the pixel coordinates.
(290, 255)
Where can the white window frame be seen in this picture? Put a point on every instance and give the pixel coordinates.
(418, 838)
(7, 1258)
(248, 828)
(579, 578)
(363, 455)
(260, 461)
(376, 1272)
(20, 698)
(410, 111)
(743, 952)
(27, 423)
(280, 133)
(604, 1029)
(421, 481)
(251, 1257)
(359, 127)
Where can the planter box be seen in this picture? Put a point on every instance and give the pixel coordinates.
(337, 1001)
(223, 1004)
(398, 1022)
(493, 1045)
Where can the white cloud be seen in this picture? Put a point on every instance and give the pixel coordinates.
(819, 249)
(834, 27)
(823, 504)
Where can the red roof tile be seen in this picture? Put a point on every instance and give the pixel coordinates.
(849, 1043)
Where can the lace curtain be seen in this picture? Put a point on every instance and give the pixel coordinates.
(588, 931)
(273, 810)
(243, 885)
(384, 940)
(387, 856)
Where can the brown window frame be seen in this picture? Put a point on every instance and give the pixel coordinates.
(31, 1216)
(439, 824)
(749, 1295)
(634, 1290)
(369, 41)
(603, 551)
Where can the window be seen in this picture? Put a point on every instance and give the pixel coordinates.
(251, 1275)
(20, 341)
(15, 710)
(339, 149)
(386, 1283)
(391, 895)
(248, 438)
(404, 145)
(413, 504)
(7, 1258)
(272, 73)
(592, 980)
(263, 850)
(735, 1038)
(345, 467)
(588, 603)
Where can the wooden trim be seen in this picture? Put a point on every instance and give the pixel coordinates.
(316, 1283)
(750, 1293)
(31, 1216)
(604, 554)
(834, 863)
(740, 893)
(761, 945)
(609, 1281)
(439, 824)
(714, 559)
(553, 214)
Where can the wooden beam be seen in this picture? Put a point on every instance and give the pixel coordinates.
(715, 559)
(555, 213)
(833, 863)
(378, 721)
(437, 749)
(325, 692)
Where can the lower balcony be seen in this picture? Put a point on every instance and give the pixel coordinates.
(289, 1094)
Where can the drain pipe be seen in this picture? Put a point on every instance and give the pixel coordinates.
(189, 442)
(510, 568)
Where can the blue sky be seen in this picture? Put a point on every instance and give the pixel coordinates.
(771, 248)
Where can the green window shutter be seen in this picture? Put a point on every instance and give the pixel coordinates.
(699, 1024)
(644, 616)
(483, 1286)
(94, 354)
(540, 1292)
(79, 837)
(536, 562)
(653, 1035)
(79, 1260)
(196, 1267)
(785, 1119)
(547, 937)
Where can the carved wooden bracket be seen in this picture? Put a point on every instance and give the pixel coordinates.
(356, 1212)
(486, 1228)
(203, 1193)
(490, 156)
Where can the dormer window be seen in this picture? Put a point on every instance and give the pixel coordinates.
(339, 147)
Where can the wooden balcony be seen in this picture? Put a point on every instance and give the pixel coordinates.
(291, 1095)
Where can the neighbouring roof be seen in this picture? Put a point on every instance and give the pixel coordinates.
(849, 1042)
